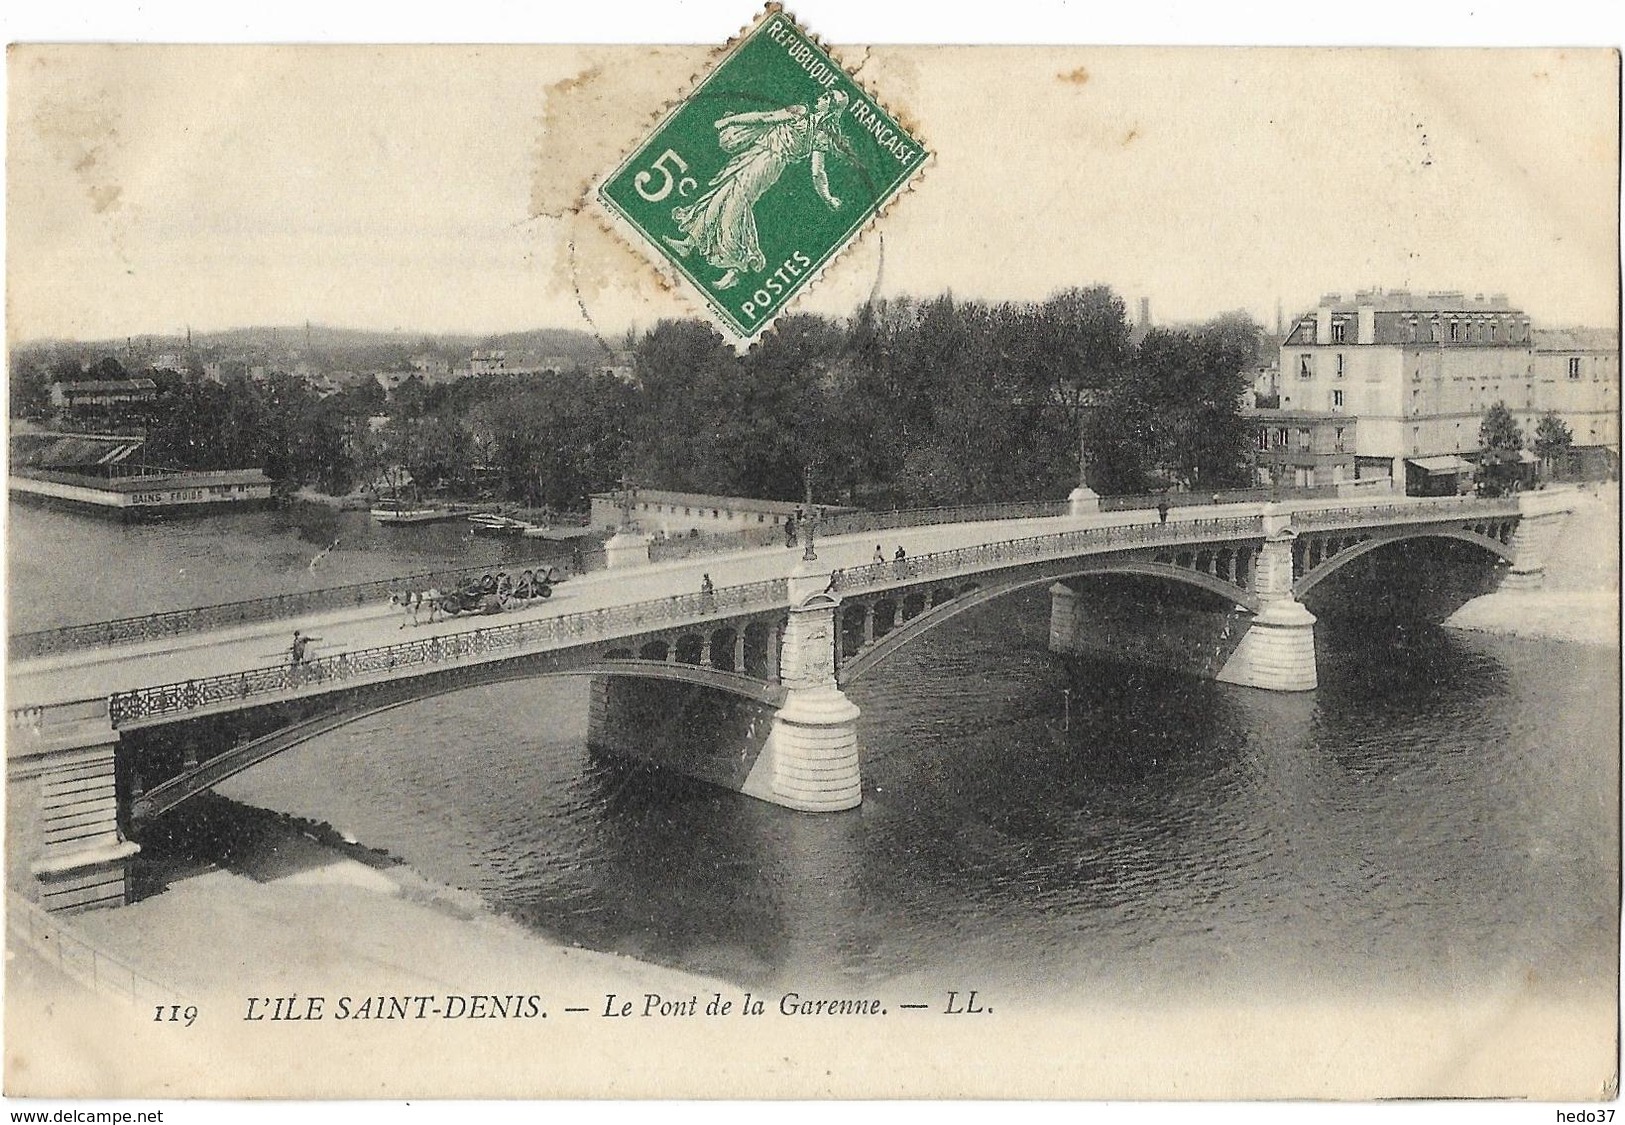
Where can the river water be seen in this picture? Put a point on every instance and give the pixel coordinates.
(1440, 815)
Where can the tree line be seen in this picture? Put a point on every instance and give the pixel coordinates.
(904, 403)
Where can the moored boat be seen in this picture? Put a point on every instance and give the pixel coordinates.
(395, 511)
(500, 527)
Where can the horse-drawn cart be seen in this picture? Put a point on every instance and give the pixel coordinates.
(493, 593)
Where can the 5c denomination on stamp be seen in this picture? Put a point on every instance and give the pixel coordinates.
(761, 176)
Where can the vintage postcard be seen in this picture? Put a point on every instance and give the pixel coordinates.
(776, 567)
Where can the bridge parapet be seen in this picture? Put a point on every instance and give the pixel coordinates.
(387, 661)
(166, 624)
(1038, 548)
(1416, 511)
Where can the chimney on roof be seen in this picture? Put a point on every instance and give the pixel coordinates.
(1145, 312)
(1323, 321)
(1366, 327)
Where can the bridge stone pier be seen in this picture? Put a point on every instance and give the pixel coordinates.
(1542, 515)
(811, 758)
(1277, 652)
(64, 842)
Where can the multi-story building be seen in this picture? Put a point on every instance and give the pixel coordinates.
(657, 511)
(1302, 448)
(103, 394)
(1577, 376)
(1419, 371)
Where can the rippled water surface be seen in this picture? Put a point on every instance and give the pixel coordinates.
(1440, 812)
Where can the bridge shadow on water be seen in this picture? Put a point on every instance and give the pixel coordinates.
(214, 832)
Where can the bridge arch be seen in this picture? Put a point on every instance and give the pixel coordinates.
(1332, 564)
(175, 791)
(969, 597)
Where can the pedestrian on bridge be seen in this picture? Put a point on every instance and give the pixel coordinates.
(880, 556)
(301, 642)
(1162, 510)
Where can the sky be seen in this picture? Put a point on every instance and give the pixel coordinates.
(429, 188)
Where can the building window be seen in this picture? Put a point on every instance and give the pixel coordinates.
(1337, 402)
(1303, 441)
(761, 518)
(1305, 370)
(1340, 368)
(1574, 367)
(1280, 437)
(1337, 332)
(715, 514)
(1337, 439)
(687, 512)
(1304, 478)
(1492, 331)
(1455, 332)
(1263, 439)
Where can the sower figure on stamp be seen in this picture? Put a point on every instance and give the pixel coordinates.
(721, 224)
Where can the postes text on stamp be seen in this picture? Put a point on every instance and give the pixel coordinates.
(762, 175)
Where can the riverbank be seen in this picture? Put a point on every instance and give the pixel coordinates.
(1579, 600)
(245, 902)
(251, 904)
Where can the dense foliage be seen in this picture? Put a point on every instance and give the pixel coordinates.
(908, 403)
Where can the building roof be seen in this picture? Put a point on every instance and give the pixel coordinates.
(71, 451)
(706, 500)
(1445, 464)
(1576, 340)
(150, 481)
(1271, 415)
(1403, 300)
(99, 386)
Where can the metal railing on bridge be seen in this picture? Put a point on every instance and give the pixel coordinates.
(444, 649)
(1411, 511)
(618, 621)
(851, 523)
(1013, 552)
(180, 622)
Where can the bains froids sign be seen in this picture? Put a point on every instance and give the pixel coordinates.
(760, 177)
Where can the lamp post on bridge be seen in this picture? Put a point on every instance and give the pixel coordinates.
(629, 493)
(626, 547)
(810, 521)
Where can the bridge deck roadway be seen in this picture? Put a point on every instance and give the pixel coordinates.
(101, 672)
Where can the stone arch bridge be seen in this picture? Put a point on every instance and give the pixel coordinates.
(756, 668)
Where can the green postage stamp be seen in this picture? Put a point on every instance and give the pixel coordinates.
(761, 176)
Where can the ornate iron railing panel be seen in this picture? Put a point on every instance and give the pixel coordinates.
(1411, 511)
(446, 649)
(850, 523)
(1013, 552)
(180, 622)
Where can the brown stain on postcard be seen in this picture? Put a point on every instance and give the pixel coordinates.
(83, 136)
(589, 121)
